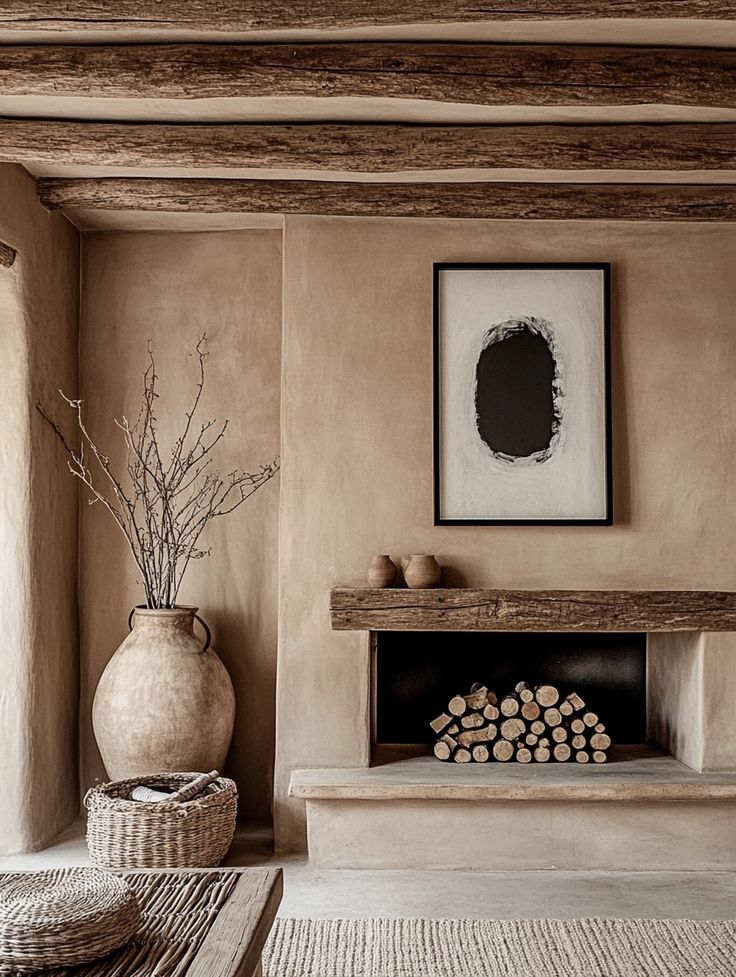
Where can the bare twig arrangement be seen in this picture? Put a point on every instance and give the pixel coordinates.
(163, 503)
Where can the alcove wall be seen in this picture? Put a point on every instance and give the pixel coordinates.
(38, 522)
(171, 288)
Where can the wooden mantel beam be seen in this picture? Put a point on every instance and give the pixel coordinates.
(481, 74)
(503, 201)
(370, 148)
(532, 610)
(261, 15)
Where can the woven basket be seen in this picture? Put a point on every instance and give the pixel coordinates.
(63, 917)
(135, 834)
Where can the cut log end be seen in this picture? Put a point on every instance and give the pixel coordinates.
(509, 706)
(530, 711)
(457, 705)
(442, 751)
(552, 717)
(441, 722)
(600, 741)
(503, 750)
(562, 752)
(546, 695)
(512, 729)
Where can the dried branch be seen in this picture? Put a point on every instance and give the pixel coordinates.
(162, 509)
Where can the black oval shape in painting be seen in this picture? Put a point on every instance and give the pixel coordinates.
(515, 393)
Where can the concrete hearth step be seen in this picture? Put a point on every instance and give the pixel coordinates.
(643, 810)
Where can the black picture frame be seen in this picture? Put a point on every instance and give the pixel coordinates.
(438, 268)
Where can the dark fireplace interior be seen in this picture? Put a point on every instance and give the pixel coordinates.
(417, 672)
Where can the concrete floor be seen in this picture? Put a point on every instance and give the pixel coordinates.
(477, 895)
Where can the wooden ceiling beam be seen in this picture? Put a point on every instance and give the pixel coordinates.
(502, 201)
(480, 74)
(370, 148)
(260, 15)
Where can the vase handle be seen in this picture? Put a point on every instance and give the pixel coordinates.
(208, 633)
(208, 640)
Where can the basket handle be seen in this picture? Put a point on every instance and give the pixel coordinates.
(208, 633)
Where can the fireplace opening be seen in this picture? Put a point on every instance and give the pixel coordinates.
(416, 672)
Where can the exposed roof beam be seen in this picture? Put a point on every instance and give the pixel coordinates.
(254, 15)
(506, 201)
(370, 148)
(481, 74)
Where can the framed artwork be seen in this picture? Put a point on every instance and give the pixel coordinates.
(522, 414)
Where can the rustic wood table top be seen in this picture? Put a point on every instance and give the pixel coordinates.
(234, 942)
(209, 922)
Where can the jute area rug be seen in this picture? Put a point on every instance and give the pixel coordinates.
(500, 948)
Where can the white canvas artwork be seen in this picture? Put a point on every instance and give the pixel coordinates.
(522, 431)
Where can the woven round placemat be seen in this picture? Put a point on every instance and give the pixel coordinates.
(63, 917)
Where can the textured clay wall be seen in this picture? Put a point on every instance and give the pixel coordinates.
(357, 440)
(38, 523)
(171, 288)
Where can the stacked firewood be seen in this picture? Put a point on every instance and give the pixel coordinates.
(527, 725)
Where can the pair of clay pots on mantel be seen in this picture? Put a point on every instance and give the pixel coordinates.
(421, 572)
(165, 701)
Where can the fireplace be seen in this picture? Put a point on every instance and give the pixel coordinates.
(657, 666)
(415, 673)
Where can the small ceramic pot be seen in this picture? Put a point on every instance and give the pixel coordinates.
(381, 572)
(421, 571)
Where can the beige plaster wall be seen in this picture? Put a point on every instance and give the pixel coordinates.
(357, 440)
(676, 717)
(171, 288)
(38, 523)
(690, 691)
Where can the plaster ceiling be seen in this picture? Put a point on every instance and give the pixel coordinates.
(342, 109)
(684, 31)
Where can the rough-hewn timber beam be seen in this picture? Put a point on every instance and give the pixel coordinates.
(482, 74)
(370, 148)
(505, 201)
(532, 610)
(254, 15)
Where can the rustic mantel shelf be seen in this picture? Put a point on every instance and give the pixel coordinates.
(463, 609)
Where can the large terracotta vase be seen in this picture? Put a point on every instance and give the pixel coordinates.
(164, 703)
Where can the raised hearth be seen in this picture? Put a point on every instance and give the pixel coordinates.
(643, 810)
